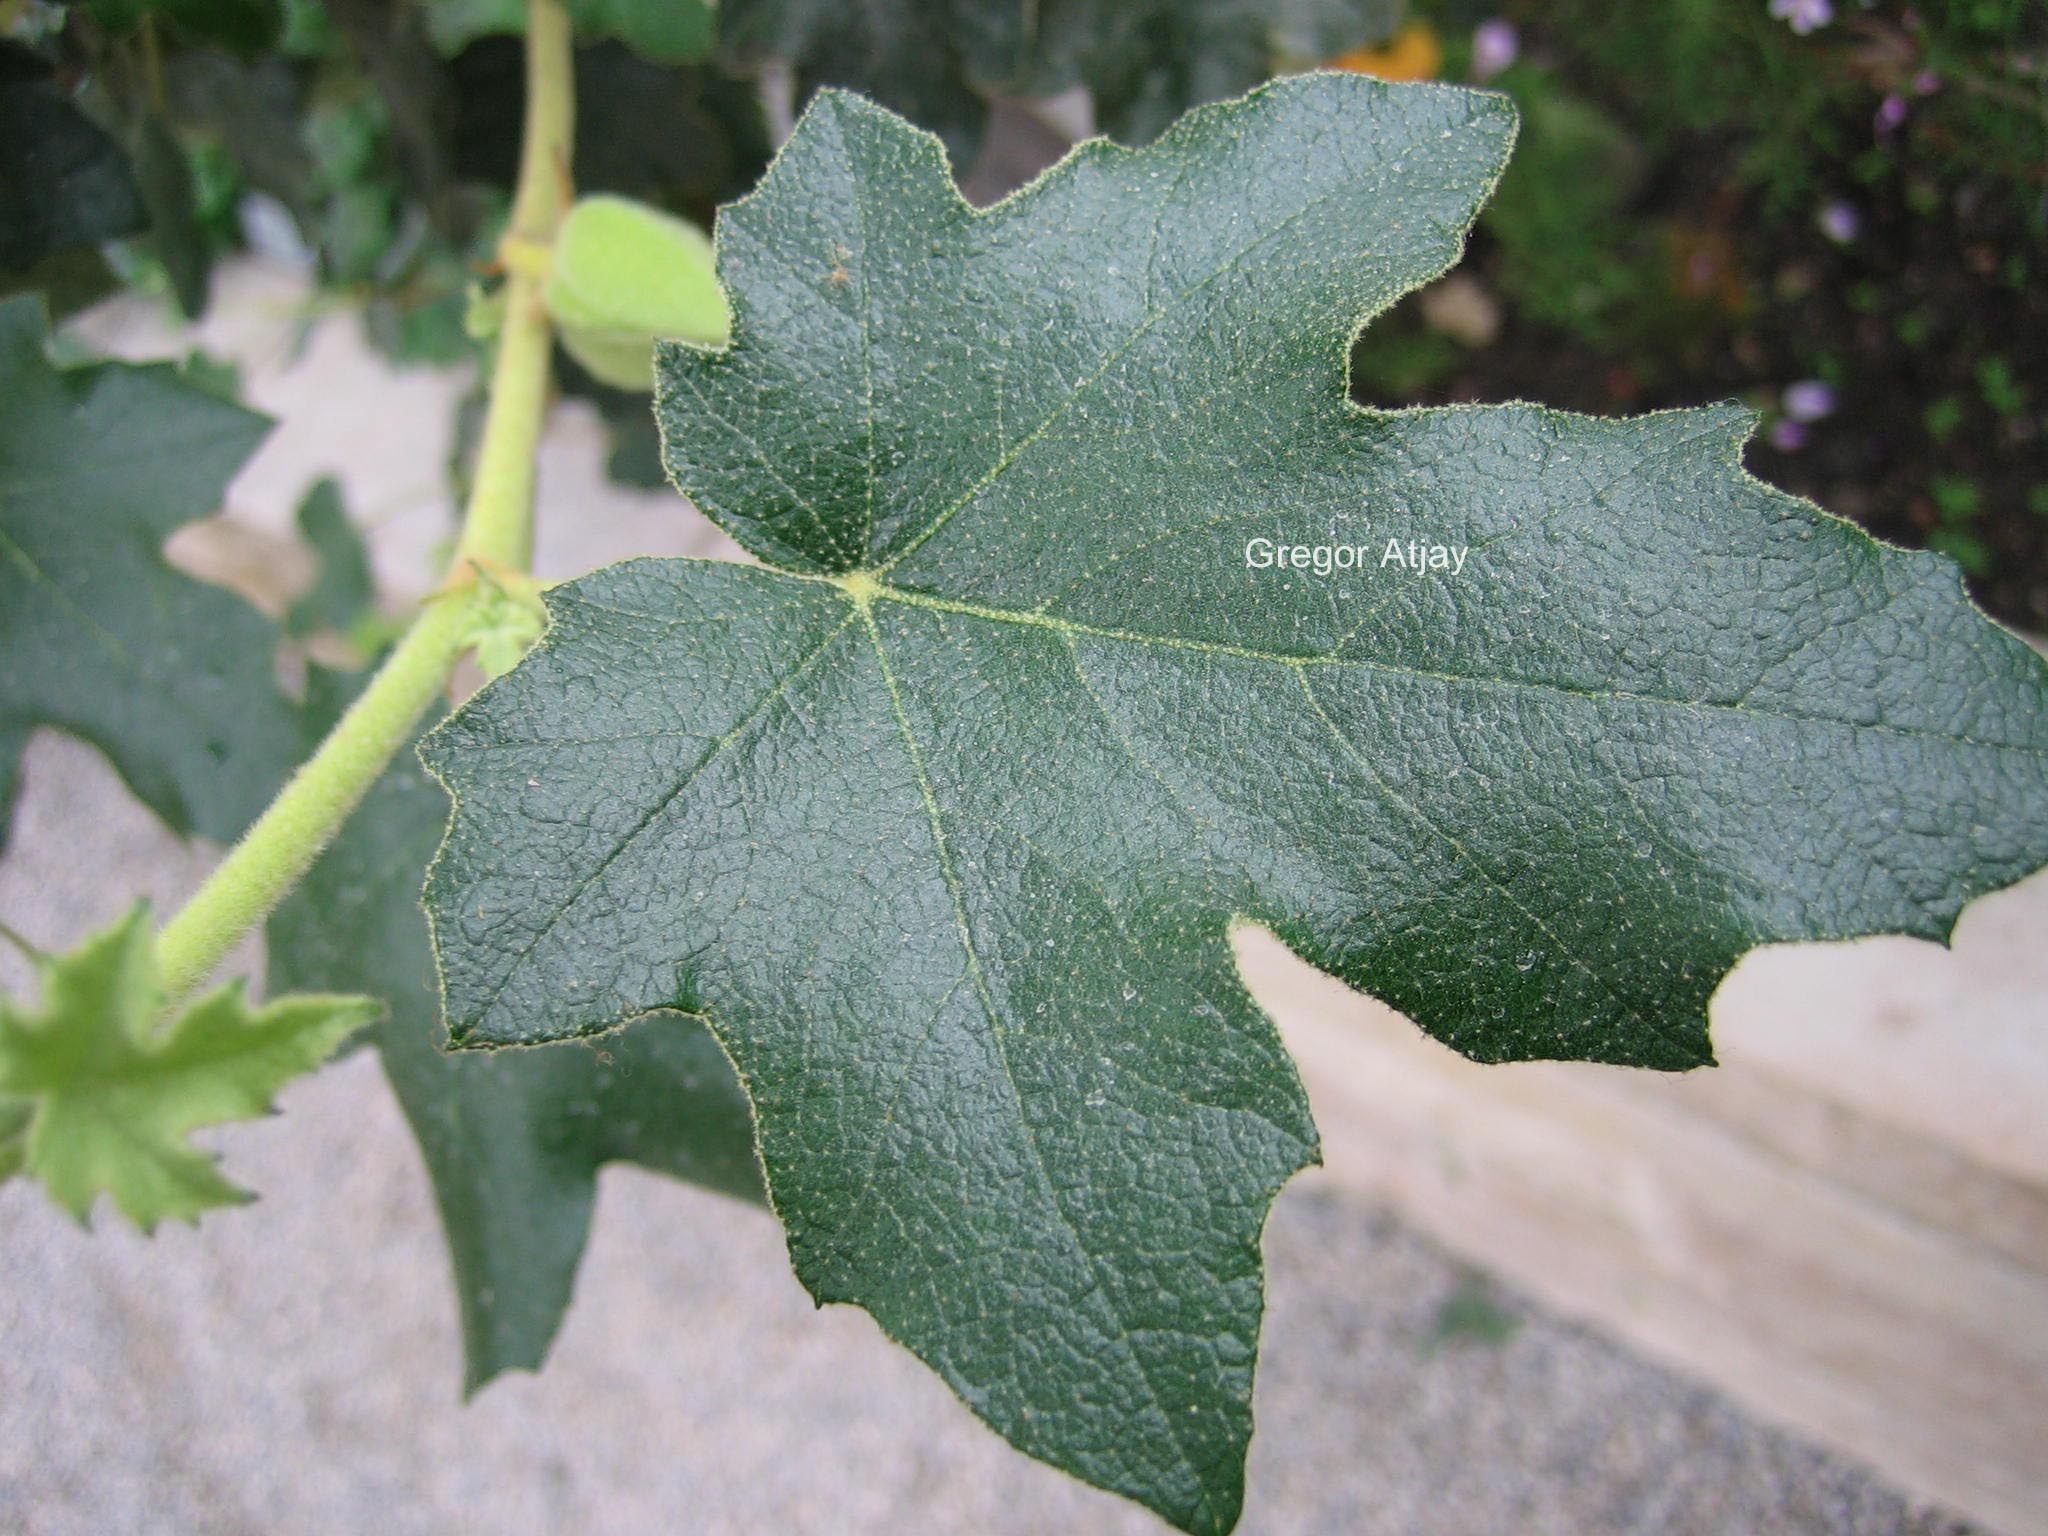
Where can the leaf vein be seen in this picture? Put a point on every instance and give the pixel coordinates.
(627, 839)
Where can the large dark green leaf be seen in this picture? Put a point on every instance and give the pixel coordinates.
(171, 678)
(944, 822)
(63, 179)
(513, 1142)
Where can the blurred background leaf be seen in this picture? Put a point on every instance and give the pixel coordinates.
(64, 182)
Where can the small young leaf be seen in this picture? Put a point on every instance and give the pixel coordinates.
(171, 678)
(624, 274)
(507, 621)
(513, 1141)
(947, 819)
(97, 1097)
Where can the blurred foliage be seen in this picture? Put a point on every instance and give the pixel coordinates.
(661, 31)
(64, 181)
(1785, 201)
(1709, 198)
(1144, 62)
(1566, 252)
(342, 599)
(1473, 1313)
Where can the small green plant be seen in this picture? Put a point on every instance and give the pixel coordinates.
(897, 871)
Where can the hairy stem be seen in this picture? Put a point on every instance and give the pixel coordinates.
(275, 852)
(497, 537)
(499, 528)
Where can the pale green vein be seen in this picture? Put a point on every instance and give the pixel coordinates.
(1236, 259)
(1030, 619)
(1500, 887)
(1119, 1332)
(660, 807)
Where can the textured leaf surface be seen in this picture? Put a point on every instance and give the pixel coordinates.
(97, 1097)
(944, 823)
(513, 1141)
(171, 678)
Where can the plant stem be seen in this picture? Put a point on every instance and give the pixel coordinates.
(497, 537)
(275, 852)
(499, 528)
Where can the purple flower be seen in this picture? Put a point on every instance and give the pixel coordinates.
(1808, 400)
(1891, 112)
(1495, 44)
(1840, 221)
(1788, 436)
(1926, 83)
(1803, 16)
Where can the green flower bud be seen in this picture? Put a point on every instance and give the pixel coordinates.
(623, 274)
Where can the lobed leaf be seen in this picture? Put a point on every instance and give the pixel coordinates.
(97, 1097)
(172, 678)
(943, 821)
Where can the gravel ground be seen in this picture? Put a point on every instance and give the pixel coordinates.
(292, 1368)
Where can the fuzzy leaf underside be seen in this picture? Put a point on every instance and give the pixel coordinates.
(170, 677)
(512, 1141)
(97, 1098)
(944, 823)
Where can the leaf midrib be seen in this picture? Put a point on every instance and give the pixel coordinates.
(862, 588)
(875, 590)
(999, 1037)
